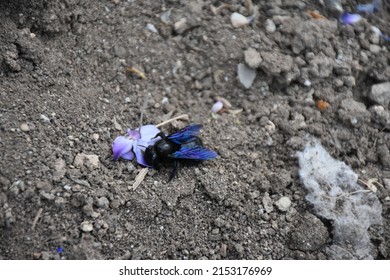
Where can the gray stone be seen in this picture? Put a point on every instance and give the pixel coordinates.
(24, 127)
(380, 115)
(181, 26)
(380, 94)
(387, 183)
(321, 66)
(309, 35)
(375, 49)
(267, 203)
(59, 201)
(15, 188)
(283, 204)
(252, 58)
(384, 155)
(151, 28)
(219, 222)
(274, 63)
(48, 196)
(246, 75)
(103, 202)
(59, 169)
(3, 199)
(270, 26)
(86, 226)
(239, 249)
(45, 255)
(120, 51)
(223, 250)
(310, 234)
(353, 112)
(89, 161)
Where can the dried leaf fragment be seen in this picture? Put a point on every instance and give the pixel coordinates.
(134, 71)
(316, 15)
(139, 179)
(322, 105)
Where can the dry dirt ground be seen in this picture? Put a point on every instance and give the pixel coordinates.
(66, 95)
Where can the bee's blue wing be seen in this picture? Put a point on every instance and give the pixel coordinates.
(195, 153)
(186, 134)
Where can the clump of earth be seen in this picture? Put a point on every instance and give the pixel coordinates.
(66, 93)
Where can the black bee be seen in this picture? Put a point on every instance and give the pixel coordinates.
(181, 145)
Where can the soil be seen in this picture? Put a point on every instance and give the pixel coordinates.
(66, 94)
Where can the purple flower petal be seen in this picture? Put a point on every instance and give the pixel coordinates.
(387, 38)
(370, 8)
(365, 8)
(148, 137)
(347, 18)
(148, 132)
(128, 156)
(122, 145)
(139, 153)
(217, 107)
(133, 134)
(377, 31)
(135, 143)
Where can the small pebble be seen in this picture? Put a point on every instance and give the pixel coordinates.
(181, 26)
(151, 28)
(45, 255)
(89, 161)
(375, 48)
(86, 226)
(252, 58)
(283, 203)
(246, 75)
(45, 119)
(95, 137)
(24, 127)
(238, 20)
(223, 250)
(270, 26)
(219, 222)
(217, 107)
(307, 83)
(117, 126)
(103, 203)
(267, 203)
(120, 51)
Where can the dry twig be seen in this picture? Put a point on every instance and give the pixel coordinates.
(371, 184)
(139, 179)
(181, 117)
(37, 216)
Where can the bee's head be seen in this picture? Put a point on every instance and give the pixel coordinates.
(150, 156)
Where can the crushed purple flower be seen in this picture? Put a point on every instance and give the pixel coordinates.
(134, 143)
(377, 31)
(370, 8)
(347, 18)
(386, 38)
(217, 106)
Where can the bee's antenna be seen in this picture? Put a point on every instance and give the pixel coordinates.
(143, 108)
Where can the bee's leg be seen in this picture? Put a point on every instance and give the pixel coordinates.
(176, 166)
(162, 135)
